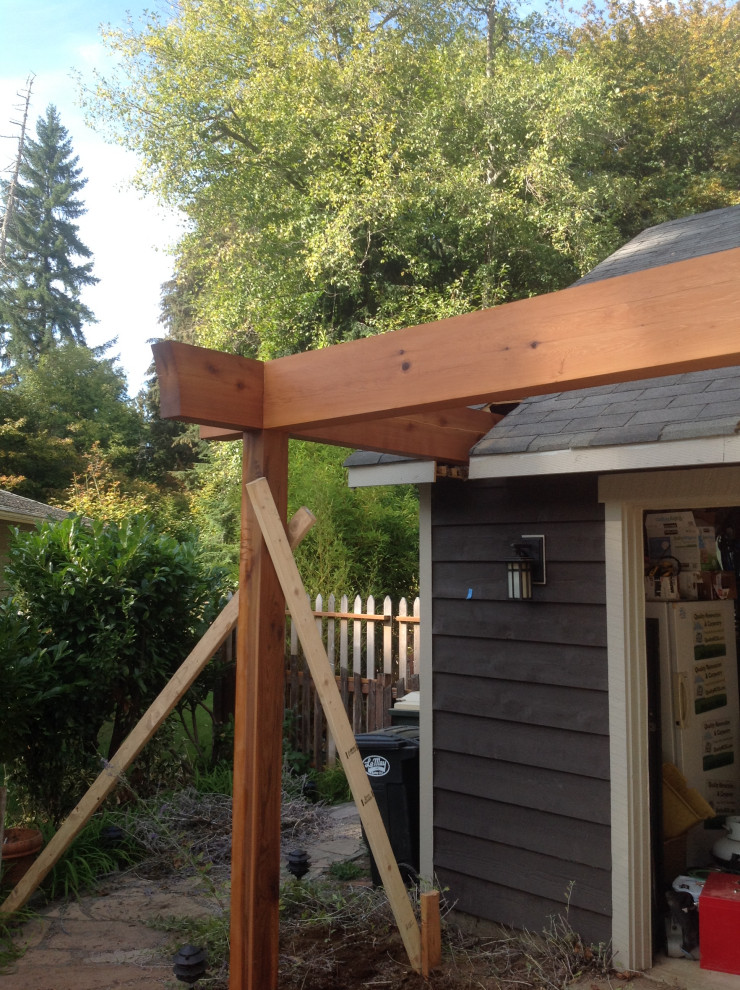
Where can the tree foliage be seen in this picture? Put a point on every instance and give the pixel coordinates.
(364, 542)
(672, 67)
(348, 168)
(54, 412)
(352, 168)
(45, 265)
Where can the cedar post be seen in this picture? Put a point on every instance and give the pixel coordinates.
(255, 853)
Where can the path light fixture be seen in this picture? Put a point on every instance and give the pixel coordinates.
(298, 863)
(526, 568)
(190, 964)
(112, 836)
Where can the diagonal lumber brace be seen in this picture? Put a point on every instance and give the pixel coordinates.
(336, 717)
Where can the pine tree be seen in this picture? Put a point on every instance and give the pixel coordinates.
(45, 265)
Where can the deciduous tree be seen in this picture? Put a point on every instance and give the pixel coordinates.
(354, 167)
(673, 68)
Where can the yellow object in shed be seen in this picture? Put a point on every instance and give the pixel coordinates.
(683, 807)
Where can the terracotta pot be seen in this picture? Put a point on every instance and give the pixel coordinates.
(21, 846)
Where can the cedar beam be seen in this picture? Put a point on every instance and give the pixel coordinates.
(199, 385)
(668, 320)
(258, 720)
(443, 435)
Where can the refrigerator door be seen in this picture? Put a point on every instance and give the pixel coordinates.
(705, 702)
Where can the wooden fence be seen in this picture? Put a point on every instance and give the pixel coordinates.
(375, 655)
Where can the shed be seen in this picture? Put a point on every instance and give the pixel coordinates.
(21, 513)
(537, 760)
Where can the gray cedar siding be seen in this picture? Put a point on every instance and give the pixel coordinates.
(6, 529)
(521, 770)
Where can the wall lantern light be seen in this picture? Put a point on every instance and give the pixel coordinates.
(527, 568)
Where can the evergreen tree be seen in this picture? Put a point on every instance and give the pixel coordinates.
(45, 265)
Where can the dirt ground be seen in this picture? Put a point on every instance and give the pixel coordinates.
(382, 963)
(113, 937)
(105, 941)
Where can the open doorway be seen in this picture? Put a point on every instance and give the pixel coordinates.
(692, 557)
(626, 498)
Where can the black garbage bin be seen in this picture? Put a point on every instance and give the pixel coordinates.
(391, 760)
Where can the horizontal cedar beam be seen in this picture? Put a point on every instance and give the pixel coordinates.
(199, 385)
(667, 320)
(443, 435)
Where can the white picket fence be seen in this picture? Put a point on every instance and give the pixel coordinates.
(376, 658)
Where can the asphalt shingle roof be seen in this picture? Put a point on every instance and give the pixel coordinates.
(17, 505)
(677, 407)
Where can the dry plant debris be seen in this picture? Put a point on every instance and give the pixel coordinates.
(340, 934)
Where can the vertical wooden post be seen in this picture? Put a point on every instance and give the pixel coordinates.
(431, 935)
(255, 852)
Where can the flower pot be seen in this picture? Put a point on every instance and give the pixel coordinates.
(21, 846)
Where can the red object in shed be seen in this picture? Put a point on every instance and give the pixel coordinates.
(719, 923)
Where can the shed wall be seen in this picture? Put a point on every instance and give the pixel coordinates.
(6, 529)
(521, 745)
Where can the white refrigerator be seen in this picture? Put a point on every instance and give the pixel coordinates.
(700, 707)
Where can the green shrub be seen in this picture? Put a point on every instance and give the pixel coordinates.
(331, 785)
(89, 858)
(104, 615)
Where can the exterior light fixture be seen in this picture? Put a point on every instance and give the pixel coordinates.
(190, 964)
(298, 863)
(526, 568)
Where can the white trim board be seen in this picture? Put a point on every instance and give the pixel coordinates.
(20, 517)
(394, 473)
(630, 457)
(626, 496)
(426, 714)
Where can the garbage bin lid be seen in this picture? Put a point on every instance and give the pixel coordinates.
(380, 742)
(410, 701)
(395, 737)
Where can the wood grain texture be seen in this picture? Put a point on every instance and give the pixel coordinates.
(521, 703)
(446, 435)
(568, 582)
(570, 499)
(537, 622)
(577, 666)
(336, 718)
(495, 820)
(431, 932)
(673, 319)
(255, 856)
(509, 865)
(548, 705)
(199, 385)
(520, 908)
(676, 318)
(443, 435)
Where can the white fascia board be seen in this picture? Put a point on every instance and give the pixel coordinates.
(631, 457)
(21, 517)
(398, 473)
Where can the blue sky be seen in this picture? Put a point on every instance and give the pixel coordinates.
(129, 237)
